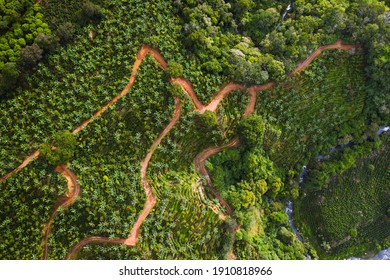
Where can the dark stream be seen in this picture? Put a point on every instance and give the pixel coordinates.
(289, 212)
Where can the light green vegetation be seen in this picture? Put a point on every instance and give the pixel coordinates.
(315, 108)
(86, 59)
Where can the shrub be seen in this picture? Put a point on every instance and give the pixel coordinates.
(175, 69)
(8, 78)
(65, 32)
(64, 144)
(30, 55)
(47, 42)
(251, 131)
(285, 235)
(89, 12)
(353, 232)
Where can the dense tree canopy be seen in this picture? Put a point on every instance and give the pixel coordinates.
(251, 131)
(306, 133)
(61, 150)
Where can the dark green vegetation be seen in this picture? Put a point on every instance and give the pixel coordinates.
(27, 200)
(179, 227)
(251, 131)
(21, 22)
(311, 23)
(313, 110)
(57, 79)
(63, 144)
(350, 215)
(107, 164)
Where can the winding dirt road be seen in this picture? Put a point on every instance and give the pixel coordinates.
(151, 200)
(63, 202)
(26, 161)
(199, 160)
(90, 240)
(201, 169)
(187, 87)
(305, 63)
(252, 91)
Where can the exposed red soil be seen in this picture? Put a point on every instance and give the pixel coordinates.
(201, 169)
(140, 56)
(90, 240)
(187, 87)
(26, 161)
(151, 200)
(204, 155)
(73, 192)
(200, 158)
(337, 45)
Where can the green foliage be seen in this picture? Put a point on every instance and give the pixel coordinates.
(58, 12)
(251, 131)
(332, 102)
(8, 78)
(47, 42)
(180, 226)
(64, 144)
(354, 204)
(177, 91)
(267, 235)
(285, 235)
(30, 55)
(65, 32)
(206, 120)
(230, 111)
(207, 126)
(22, 21)
(24, 213)
(306, 114)
(353, 232)
(90, 12)
(175, 69)
(253, 67)
(261, 186)
(247, 198)
(276, 187)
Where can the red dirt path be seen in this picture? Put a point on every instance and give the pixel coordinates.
(151, 200)
(187, 87)
(200, 158)
(201, 169)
